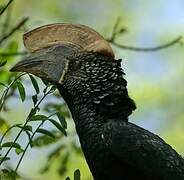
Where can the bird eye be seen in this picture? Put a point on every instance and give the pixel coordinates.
(75, 65)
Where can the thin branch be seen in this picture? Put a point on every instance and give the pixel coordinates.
(13, 30)
(7, 20)
(149, 49)
(4, 9)
(5, 93)
(6, 54)
(118, 31)
(114, 31)
(35, 109)
(20, 160)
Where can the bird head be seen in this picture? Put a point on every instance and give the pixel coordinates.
(80, 62)
(55, 51)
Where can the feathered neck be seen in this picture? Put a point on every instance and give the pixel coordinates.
(104, 94)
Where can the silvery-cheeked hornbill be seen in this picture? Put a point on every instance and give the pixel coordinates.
(82, 64)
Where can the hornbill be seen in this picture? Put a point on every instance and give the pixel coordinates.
(82, 65)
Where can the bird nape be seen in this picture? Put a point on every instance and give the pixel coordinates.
(91, 81)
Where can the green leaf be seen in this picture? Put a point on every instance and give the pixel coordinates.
(46, 132)
(21, 90)
(62, 120)
(57, 125)
(2, 84)
(35, 99)
(28, 128)
(35, 84)
(19, 151)
(53, 107)
(25, 128)
(6, 159)
(77, 175)
(45, 140)
(4, 126)
(39, 118)
(11, 144)
(2, 63)
(29, 137)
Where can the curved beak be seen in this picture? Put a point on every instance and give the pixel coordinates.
(47, 64)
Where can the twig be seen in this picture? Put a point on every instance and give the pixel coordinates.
(116, 32)
(35, 109)
(3, 97)
(21, 23)
(5, 54)
(144, 49)
(7, 20)
(2, 24)
(4, 9)
(32, 136)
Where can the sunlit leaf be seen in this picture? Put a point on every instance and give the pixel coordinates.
(21, 90)
(46, 132)
(3, 125)
(11, 144)
(62, 120)
(19, 151)
(58, 126)
(77, 175)
(35, 84)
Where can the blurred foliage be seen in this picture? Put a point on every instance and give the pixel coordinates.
(155, 80)
(3, 125)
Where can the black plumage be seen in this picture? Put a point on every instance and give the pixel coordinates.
(114, 148)
(82, 64)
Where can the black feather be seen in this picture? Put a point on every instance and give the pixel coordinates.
(114, 148)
